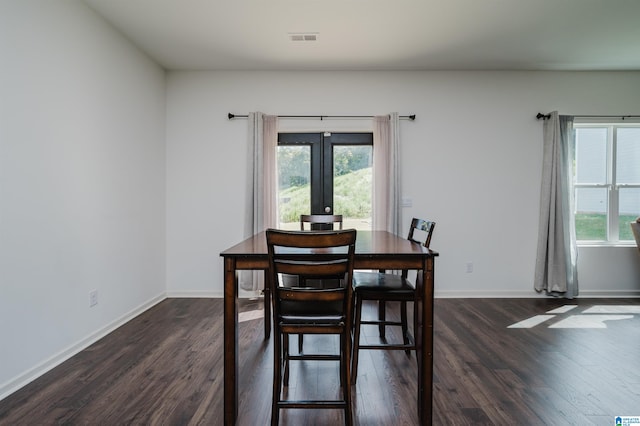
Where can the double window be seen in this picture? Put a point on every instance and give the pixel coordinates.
(606, 181)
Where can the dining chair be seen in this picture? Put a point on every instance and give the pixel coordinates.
(320, 221)
(383, 286)
(314, 222)
(309, 310)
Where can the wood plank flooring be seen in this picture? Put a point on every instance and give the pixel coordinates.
(165, 368)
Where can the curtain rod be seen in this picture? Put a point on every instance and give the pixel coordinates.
(547, 116)
(322, 117)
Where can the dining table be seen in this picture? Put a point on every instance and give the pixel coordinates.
(375, 250)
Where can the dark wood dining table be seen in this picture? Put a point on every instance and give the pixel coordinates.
(374, 250)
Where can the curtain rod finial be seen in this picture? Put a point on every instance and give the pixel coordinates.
(543, 116)
(231, 116)
(412, 117)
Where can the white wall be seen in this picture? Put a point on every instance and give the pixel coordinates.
(82, 162)
(471, 160)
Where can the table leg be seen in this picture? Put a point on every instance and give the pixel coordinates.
(230, 342)
(267, 306)
(425, 345)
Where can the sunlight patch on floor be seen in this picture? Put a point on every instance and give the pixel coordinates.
(532, 322)
(588, 321)
(592, 317)
(250, 315)
(612, 309)
(562, 309)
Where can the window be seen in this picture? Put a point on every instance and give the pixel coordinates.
(320, 173)
(607, 181)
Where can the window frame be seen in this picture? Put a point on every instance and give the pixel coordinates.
(611, 185)
(321, 160)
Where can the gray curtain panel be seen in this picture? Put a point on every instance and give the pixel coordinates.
(261, 210)
(556, 260)
(386, 173)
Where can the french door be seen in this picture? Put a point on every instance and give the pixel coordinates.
(325, 173)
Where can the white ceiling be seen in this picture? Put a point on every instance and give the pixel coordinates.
(382, 34)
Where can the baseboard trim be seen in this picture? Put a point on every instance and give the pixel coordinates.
(242, 294)
(195, 294)
(33, 373)
(499, 294)
(492, 294)
(461, 294)
(614, 294)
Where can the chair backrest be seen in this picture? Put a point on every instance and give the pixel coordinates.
(320, 220)
(311, 255)
(425, 231)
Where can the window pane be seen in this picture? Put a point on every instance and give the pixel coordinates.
(294, 184)
(352, 185)
(591, 214)
(628, 156)
(629, 201)
(591, 155)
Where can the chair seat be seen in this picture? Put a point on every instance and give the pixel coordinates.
(308, 319)
(390, 284)
(320, 309)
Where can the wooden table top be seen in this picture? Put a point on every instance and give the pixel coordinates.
(368, 244)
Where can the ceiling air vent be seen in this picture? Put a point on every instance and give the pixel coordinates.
(303, 36)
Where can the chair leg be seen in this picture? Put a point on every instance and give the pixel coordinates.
(285, 358)
(267, 313)
(405, 326)
(341, 369)
(345, 359)
(277, 378)
(301, 282)
(356, 341)
(266, 297)
(382, 316)
(416, 316)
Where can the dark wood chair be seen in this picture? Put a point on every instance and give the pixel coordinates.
(308, 310)
(320, 221)
(315, 222)
(388, 287)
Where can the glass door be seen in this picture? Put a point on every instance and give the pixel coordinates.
(325, 173)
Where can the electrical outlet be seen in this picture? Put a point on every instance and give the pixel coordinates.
(469, 267)
(93, 298)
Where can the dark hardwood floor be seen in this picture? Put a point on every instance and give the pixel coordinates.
(165, 367)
